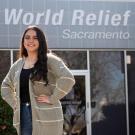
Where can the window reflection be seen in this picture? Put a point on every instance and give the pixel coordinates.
(74, 109)
(131, 90)
(15, 55)
(107, 93)
(4, 64)
(74, 59)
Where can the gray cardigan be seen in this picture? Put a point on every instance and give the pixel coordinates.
(47, 119)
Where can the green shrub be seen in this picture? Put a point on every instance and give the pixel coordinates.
(6, 119)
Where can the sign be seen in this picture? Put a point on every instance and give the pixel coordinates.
(70, 23)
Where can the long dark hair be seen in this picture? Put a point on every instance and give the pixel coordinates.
(40, 68)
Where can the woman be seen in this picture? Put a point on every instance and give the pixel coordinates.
(34, 85)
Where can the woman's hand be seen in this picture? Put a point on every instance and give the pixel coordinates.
(43, 99)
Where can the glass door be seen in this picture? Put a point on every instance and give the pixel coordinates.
(131, 90)
(75, 110)
(108, 93)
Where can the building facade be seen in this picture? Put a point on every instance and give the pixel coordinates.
(96, 40)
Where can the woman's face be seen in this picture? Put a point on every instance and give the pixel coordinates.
(31, 42)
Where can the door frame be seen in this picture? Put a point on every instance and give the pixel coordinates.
(86, 74)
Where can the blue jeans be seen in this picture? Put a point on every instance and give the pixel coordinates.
(26, 119)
